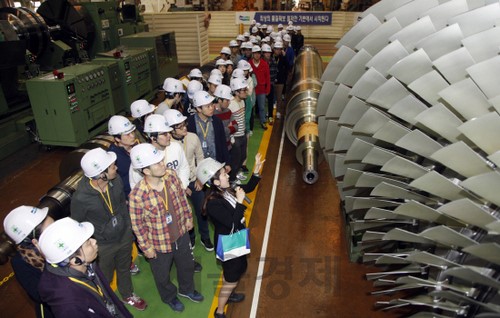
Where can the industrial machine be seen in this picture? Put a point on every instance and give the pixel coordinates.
(72, 105)
(63, 33)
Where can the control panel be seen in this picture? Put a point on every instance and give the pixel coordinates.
(71, 105)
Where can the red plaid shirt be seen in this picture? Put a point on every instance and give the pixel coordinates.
(148, 213)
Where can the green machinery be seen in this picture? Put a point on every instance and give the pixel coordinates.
(74, 38)
(165, 46)
(73, 105)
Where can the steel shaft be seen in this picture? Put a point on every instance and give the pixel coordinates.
(301, 124)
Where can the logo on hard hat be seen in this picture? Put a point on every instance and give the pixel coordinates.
(96, 165)
(34, 210)
(15, 229)
(138, 159)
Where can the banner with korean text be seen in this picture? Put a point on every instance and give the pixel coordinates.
(298, 18)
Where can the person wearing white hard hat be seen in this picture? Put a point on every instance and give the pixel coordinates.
(193, 87)
(161, 218)
(23, 226)
(280, 27)
(289, 53)
(229, 70)
(99, 199)
(240, 38)
(224, 206)
(239, 89)
(297, 40)
(281, 77)
(158, 133)
(213, 82)
(174, 91)
(220, 64)
(222, 98)
(273, 73)
(123, 132)
(254, 31)
(238, 73)
(195, 74)
(235, 51)
(246, 51)
(208, 127)
(72, 284)
(191, 145)
(250, 100)
(225, 53)
(140, 109)
(263, 87)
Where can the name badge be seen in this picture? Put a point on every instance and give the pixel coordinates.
(169, 218)
(114, 221)
(204, 144)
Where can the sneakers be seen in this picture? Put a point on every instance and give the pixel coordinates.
(207, 244)
(197, 267)
(250, 133)
(264, 126)
(278, 115)
(241, 176)
(136, 302)
(194, 296)
(216, 315)
(236, 297)
(244, 169)
(193, 242)
(176, 305)
(270, 120)
(134, 269)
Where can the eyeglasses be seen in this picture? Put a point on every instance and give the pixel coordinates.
(242, 90)
(181, 125)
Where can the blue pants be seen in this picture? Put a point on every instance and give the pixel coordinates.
(197, 198)
(261, 103)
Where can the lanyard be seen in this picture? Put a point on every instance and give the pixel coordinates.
(165, 202)
(204, 131)
(108, 201)
(95, 290)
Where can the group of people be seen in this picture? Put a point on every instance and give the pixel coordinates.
(187, 153)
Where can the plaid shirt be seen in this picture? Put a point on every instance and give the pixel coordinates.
(148, 213)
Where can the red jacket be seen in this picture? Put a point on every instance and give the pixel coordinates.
(263, 77)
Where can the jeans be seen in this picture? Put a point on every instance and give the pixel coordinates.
(238, 155)
(197, 198)
(270, 101)
(184, 262)
(117, 256)
(261, 102)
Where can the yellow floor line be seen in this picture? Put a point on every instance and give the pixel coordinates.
(264, 143)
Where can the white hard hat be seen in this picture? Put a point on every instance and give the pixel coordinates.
(254, 41)
(229, 62)
(266, 40)
(223, 91)
(226, 50)
(119, 124)
(216, 71)
(145, 155)
(264, 26)
(96, 161)
(175, 86)
(244, 65)
(141, 107)
(215, 79)
(63, 238)
(298, 28)
(21, 222)
(290, 28)
(233, 43)
(287, 38)
(255, 29)
(220, 62)
(193, 87)
(256, 49)
(246, 34)
(240, 37)
(247, 45)
(238, 73)
(278, 45)
(238, 83)
(273, 34)
(266, 48)
(280, 26)
(173, 117)
(258, 24)
(195, 73)
(290, 22)
(269, 29)
(202, 98)
(156, 124)
(166, 82)
(254, 22)
(207, 168)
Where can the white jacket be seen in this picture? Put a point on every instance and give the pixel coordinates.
(174, 159)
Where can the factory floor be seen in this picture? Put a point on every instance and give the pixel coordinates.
(305, 271)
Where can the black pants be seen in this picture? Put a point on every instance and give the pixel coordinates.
(238, 155)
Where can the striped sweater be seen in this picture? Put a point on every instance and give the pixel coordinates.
(238, 109)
